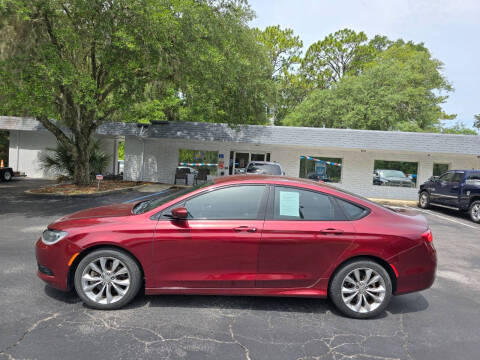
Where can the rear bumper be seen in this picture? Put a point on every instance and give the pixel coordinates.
(416, 268)
(53, 261)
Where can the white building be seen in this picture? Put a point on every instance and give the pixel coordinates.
(152, 151)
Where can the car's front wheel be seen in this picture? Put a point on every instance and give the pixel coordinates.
(475, 211)
(7, 176)
(424, 200)
(361, 289)
(107, 279)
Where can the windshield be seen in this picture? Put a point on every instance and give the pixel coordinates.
(148, 205)
(259, 168)
(392, 173)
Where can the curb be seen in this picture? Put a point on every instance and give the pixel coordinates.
(95, 194)
(394, 202)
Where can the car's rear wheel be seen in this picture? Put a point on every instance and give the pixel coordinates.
(107, 279)
(475, 211)
(7, 176)
(361, 289)
(424, 200)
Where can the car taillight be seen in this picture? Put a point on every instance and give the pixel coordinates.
(427, 236)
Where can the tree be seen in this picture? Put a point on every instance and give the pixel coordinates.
(60, 160)
(284, 51)
(477, 121)
(458, 128)
(86, 62)
(338, 54)
(396, 91)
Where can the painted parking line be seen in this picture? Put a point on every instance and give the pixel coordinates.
(445, 218)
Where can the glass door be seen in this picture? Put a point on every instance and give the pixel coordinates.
(241, 162)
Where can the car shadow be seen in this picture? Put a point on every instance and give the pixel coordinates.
(69, 297)
(404, 304)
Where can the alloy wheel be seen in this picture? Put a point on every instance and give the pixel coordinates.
(363, 290)
(423, 200)
(475, 212)
(105, 280)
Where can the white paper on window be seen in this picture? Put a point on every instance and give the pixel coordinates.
(289, 203)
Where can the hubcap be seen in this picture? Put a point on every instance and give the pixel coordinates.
(105, 280)
(363, 290)
(7, 176)
(423, 200)
(476, 212)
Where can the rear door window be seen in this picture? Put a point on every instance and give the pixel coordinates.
(297, 204)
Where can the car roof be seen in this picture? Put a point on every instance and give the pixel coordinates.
(264, 162)
(276, 179)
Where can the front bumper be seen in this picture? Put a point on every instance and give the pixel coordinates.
(416, 268)
(53, 262)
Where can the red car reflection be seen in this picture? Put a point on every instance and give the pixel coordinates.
(242, 235)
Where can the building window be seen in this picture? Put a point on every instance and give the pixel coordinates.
(439, 169)
(321, 168)
(395, 173)
(197, 159)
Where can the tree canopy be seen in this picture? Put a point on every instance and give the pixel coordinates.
(85, 62)
(377, 84)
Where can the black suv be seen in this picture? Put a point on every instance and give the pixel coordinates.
(455, 189)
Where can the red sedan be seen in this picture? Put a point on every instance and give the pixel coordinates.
(242, 235)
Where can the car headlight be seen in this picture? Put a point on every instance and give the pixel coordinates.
(50, 237)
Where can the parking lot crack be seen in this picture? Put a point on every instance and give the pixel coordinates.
(235, 340)
(26, 332)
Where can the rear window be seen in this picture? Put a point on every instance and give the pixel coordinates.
(269, 169)
(352, 211)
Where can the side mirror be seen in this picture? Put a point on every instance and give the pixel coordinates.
(179, 213)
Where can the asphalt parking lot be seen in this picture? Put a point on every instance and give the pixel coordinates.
(37, 322)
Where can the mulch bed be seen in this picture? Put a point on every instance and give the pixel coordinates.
(72, 189)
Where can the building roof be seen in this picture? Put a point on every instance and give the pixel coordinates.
(281, 135)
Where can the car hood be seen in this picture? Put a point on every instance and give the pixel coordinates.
(115, 210)
(397, 178)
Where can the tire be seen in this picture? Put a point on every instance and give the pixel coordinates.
(355, 292)
(117, 274)
(424, 200)
(474, 211)
(7, 176)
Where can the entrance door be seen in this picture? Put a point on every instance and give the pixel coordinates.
(241, 162)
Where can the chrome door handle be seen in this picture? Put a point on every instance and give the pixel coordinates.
(245, 228)
(332, 231)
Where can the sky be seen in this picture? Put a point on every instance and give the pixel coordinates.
(450, 29)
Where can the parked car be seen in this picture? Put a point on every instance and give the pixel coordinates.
(284, 237)
(318, 177)
(265, 168)
(6, 174)
(189, 170)
(455, 189)
(392, 178)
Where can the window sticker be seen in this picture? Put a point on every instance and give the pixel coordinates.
(289, 203)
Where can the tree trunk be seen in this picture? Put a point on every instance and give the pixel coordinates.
(81, 156)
